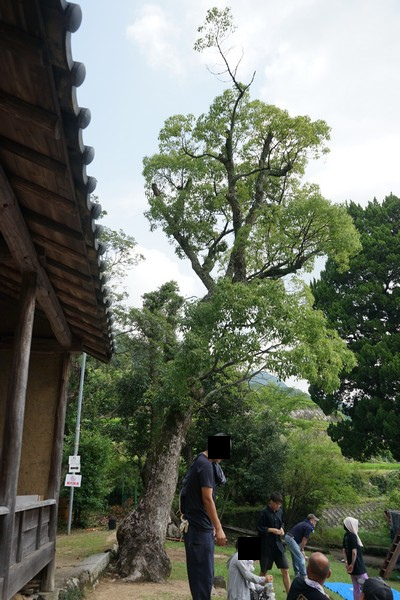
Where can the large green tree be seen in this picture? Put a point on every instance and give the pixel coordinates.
(227, 190)
(258, 449)
(364, 305)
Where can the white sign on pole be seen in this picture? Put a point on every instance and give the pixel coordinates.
(74, 463)
(72, 480)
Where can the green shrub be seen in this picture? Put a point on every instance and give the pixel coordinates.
(244, 517)
(97, 453)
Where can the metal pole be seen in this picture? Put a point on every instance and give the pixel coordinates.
(77, 435)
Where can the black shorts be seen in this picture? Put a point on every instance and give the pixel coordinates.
(269, 556)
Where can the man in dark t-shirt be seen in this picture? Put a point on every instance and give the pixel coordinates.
(270, 529)
(201, 522)
(311, 587)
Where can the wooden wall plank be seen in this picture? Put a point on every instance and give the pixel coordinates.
(31, 518)
(28, 545)
(24, 571)
(14, 419)
(39, 529)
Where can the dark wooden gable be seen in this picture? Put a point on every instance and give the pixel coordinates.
(47, 219)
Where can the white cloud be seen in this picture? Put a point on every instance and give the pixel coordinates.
(298, 384)
(156, 269)
(359, 170)
(155, 33)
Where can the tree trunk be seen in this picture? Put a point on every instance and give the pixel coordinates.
(141, 535)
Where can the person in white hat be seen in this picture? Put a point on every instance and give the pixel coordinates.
(352, 554)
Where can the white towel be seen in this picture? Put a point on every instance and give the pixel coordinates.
(352, 525)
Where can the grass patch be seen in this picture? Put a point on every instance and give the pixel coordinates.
(223, 553)
(83, 543)
(378, 466)
(333, 536)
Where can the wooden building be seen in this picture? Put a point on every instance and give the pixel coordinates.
(53, 302)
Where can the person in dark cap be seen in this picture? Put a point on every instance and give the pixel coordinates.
(375, 588)
(296, 540)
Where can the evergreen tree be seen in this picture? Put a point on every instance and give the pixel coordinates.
(364, 305)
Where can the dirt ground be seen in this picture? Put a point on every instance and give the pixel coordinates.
(113, 588)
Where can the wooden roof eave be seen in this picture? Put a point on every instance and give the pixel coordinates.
(46, 213)
(23, 251)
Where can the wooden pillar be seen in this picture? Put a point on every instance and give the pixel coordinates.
(53, 491)
(14, 418)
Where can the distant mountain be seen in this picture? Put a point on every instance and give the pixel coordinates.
(265, 378)
(298, 408)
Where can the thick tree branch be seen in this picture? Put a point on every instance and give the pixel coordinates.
(255, 356)
(267, 171)
(209, 260)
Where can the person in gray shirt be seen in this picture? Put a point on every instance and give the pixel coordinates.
(241, 578)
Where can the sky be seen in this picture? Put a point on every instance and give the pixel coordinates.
(337, 60)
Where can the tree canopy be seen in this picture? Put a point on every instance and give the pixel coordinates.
(227, 189)
(364, 305)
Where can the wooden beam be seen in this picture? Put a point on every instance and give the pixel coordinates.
(63, 250)
(42, 346)
(47, 223)
(53, 488)
(16, 108)
(14, 418)
(53, 266)
(86, 326)
(18, 239)
(77, 303)
(47, 162)
(24, 45)
(87, 316)
(28, 187)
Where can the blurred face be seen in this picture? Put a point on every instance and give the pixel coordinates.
(275, 504)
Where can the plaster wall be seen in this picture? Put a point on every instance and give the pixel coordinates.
(40, 409)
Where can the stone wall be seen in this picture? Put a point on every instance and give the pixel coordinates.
(370, 516)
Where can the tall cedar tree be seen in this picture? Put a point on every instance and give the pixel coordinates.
(364, 305)
(226, 189)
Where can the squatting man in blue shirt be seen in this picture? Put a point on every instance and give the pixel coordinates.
(200, 522)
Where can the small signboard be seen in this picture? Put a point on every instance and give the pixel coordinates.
(73, 480)
(74, 463)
